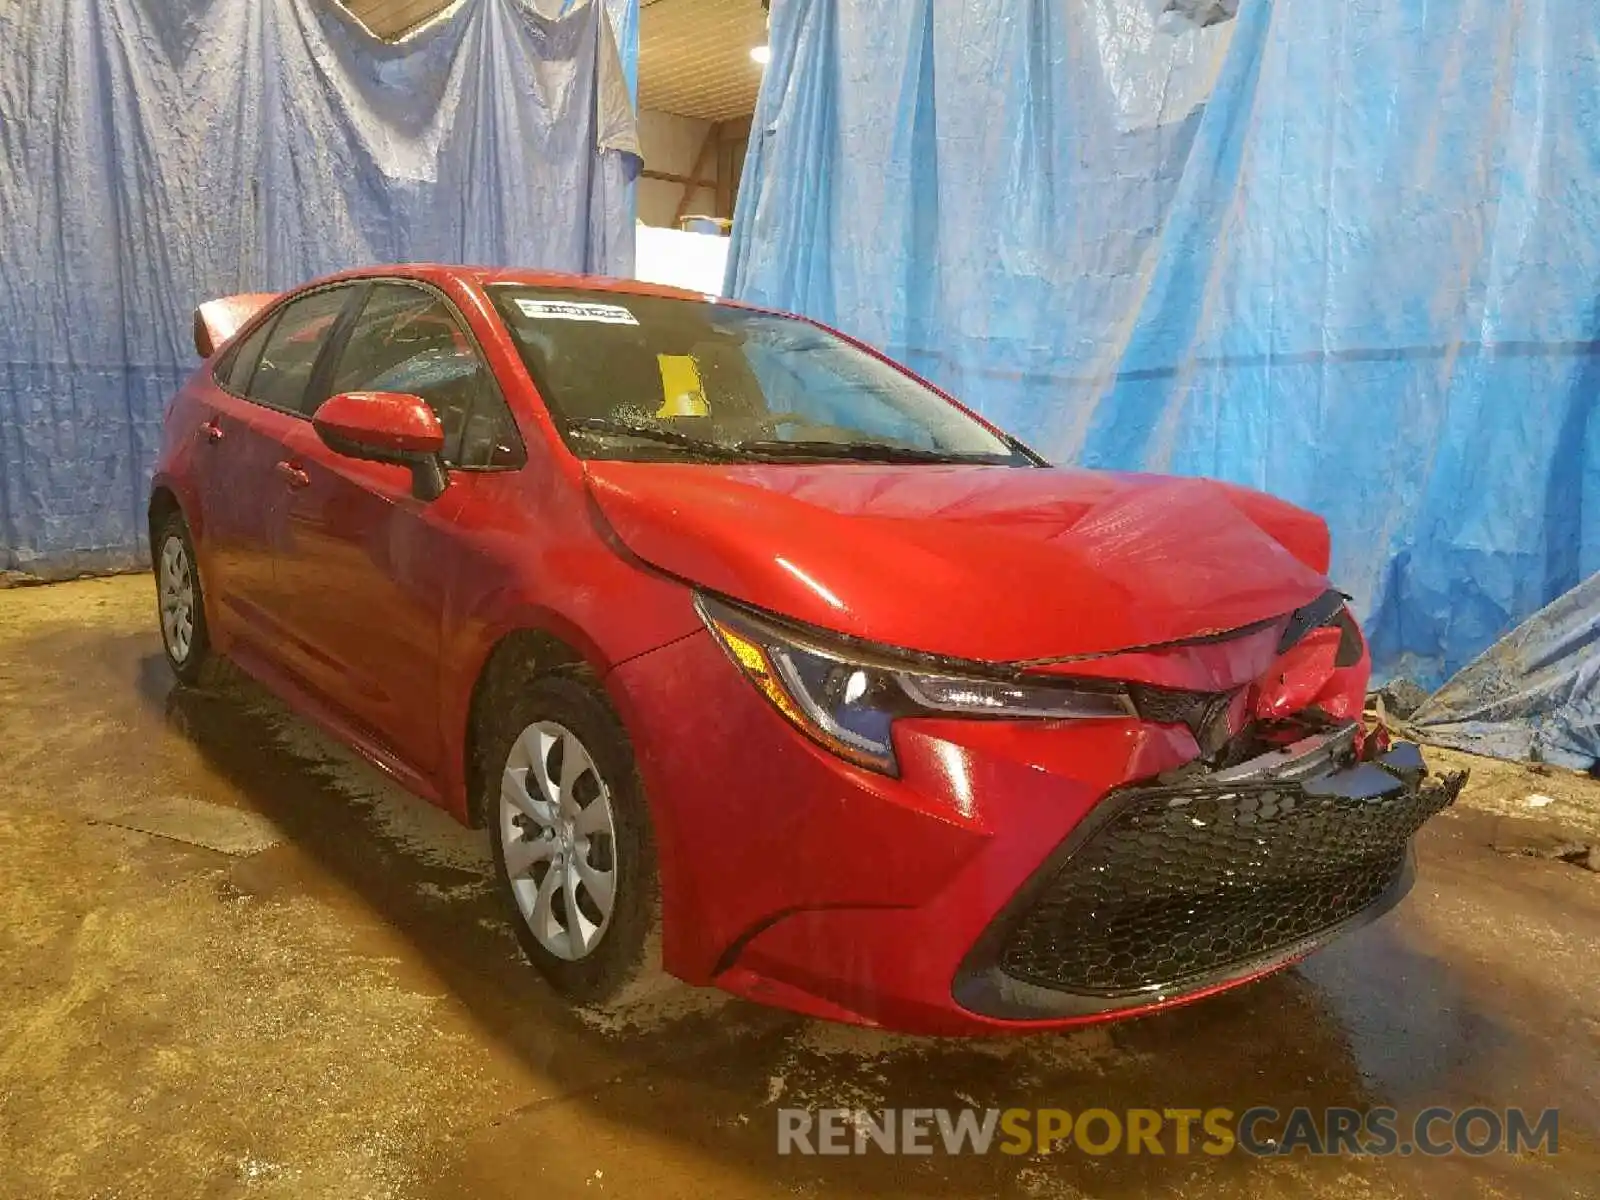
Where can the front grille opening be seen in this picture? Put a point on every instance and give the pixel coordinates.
(1168, 706)
(1185, 881)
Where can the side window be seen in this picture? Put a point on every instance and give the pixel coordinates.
(292, 347)
(242, 361)
(407, 340)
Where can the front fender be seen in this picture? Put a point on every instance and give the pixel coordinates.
(601, 625)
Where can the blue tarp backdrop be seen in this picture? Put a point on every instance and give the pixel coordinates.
(1534, 694)
(1345, 252)
(153, 156)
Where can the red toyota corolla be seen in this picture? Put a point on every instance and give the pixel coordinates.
(722, 623)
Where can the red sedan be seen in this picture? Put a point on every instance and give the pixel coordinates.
(724, 625)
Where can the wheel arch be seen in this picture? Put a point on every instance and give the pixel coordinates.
(164, 503)
(516, 657)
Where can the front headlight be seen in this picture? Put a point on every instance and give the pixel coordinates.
(846, 698)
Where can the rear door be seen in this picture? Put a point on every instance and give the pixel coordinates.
(249, 414)
(361, 555)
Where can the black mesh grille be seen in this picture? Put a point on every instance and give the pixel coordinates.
(1186, 881)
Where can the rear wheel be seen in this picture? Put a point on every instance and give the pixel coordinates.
(573, 851)
(180, 601)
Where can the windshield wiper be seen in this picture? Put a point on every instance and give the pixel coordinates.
(884, 452)
(670, 437)
(864, 452)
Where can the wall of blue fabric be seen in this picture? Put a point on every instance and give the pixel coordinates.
(153, 156)
(1534, 694)
(1348, 253)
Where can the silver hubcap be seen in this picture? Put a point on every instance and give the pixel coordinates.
(559, 839)
(177, 598)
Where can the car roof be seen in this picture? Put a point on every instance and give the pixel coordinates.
(486, 276)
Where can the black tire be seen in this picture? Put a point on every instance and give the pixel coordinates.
(627, 952)
(188, 665)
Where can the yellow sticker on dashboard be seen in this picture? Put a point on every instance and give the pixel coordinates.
(682, 392)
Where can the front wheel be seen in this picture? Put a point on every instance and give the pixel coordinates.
(573, 851)
(180, 601)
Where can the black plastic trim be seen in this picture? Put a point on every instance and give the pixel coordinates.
(981, 986)
(990, 992)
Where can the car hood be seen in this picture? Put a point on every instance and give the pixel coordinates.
(987, 563)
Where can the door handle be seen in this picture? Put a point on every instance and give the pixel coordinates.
(293, 475)
(213, 431)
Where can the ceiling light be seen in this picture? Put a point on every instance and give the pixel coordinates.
(761, 54)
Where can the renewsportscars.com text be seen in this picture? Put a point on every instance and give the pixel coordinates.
(1259, 1131)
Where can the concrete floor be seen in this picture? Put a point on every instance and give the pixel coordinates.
(342, 1013)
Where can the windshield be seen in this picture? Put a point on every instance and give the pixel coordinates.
(652, 377)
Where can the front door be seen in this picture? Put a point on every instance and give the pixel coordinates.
(361, 554)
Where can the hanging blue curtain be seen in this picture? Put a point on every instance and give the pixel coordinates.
(1345, 252)
(153, 156)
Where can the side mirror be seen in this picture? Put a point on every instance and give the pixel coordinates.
(387, 427)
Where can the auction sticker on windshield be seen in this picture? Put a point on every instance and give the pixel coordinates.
(567, 310)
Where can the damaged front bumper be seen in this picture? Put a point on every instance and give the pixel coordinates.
(1186, 885)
